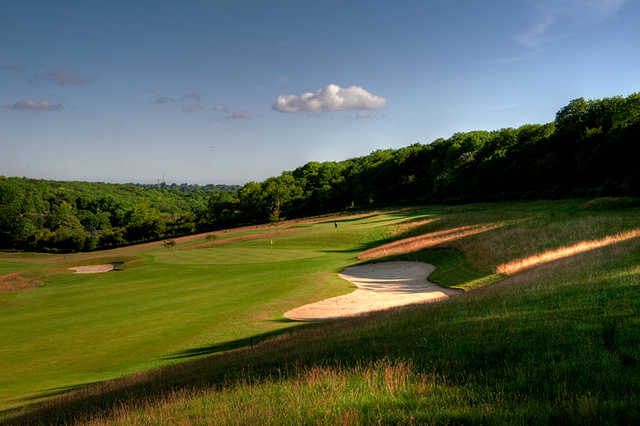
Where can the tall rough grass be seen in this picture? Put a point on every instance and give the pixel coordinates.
(432, 239)
(556, 343)
(518, 265)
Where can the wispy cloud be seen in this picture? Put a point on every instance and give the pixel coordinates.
(191, 96)
(533, 36)
(31, 105)
(193, 107)
(239, 115)
(221, 108)
(194, 97)
(14, 67)
(605, 8)
(514, 59)
(548, 14)
(330, 98)
(61, 77)
(164, 100)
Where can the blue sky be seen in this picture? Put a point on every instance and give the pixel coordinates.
(213, 91)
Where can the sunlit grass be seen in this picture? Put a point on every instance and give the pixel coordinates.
(560, 348)
(557, 342)
(518, 265)
(421, 242)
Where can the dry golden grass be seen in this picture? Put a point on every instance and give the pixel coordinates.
(324, 394)
(432, 239)
(17, 281)
(406, 228)
(230, 389)
(534, 233)
(521, 264)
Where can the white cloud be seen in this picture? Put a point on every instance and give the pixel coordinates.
(330, 98)
(31, 105)
(551, 13)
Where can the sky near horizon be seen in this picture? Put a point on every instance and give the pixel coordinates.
(234, 91)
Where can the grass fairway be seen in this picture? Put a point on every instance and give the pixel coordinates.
(556, 343)
(166, 305)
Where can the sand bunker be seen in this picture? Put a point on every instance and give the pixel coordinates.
(96, 269)
(380, 286)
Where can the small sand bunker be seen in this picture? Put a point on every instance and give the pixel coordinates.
(380, 286)
(96, 269)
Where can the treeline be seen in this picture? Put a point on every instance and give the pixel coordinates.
(186, 187)
(71, 216)
(590, 149)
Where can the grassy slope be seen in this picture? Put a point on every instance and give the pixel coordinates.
(163, 307)
(557, 343)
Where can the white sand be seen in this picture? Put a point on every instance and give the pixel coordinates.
(380, 286)
(95, 269)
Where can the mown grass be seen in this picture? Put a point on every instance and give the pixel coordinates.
(9, 267)
(79, 329)
(559, 343)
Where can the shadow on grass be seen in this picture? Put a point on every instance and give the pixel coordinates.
(59, 390)
(227, 346)
(246, 344)
(452, 269)
(502, 333)
(505, 334)
(355, 219)
(284, 320)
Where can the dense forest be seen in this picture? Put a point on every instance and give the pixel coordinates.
(590, 149)
(68, 216)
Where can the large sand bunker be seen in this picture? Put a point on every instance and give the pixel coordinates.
(96, 269)
(380, 286)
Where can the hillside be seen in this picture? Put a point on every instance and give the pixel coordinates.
(555, 342)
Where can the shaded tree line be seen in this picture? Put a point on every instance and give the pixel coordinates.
(590, 149)
(71, 216)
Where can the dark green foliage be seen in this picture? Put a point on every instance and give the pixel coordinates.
(71, 216)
